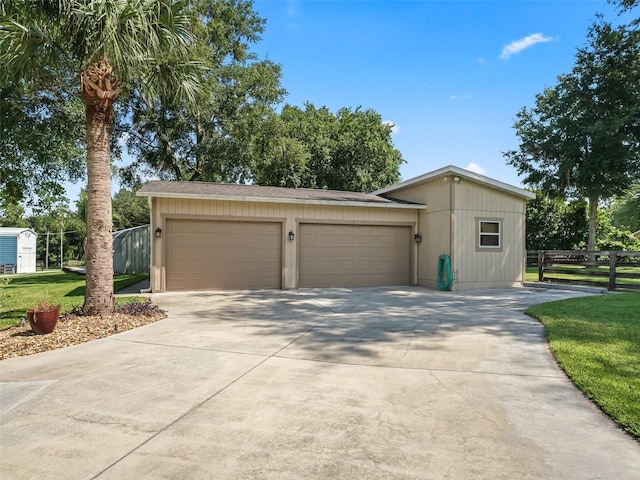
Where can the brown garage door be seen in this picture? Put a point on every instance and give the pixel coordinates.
(354, 255)
(205, 255)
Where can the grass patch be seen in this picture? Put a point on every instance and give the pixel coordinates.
(596, 340)
(20, 292)
(531, 274)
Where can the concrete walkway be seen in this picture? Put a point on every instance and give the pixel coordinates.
(379, 383)
(135, 289)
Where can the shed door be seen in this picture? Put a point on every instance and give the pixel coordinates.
(8, 249)
(203, 255)
(354, 255)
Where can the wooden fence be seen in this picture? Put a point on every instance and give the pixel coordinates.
(532, 258)
(611, 269)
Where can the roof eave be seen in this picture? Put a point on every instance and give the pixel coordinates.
(236, 198)
(8, 231)
(452, 169)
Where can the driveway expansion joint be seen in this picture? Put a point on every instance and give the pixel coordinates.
(424, 369)
(189, 347)
(206, 400)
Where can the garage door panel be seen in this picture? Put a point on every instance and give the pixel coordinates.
(354, 255)
(205, 255)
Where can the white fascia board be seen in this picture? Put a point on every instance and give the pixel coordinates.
(12, 231)
(234, 198)
(453, 170)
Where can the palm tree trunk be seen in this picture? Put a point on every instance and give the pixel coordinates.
(99, 91)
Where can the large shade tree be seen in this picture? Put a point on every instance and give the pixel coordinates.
(582, 138)
(110, 47)
(316, 148)
(40, 119)
(553, 224)
(239, 90)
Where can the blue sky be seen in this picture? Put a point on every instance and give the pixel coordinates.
(450, 75)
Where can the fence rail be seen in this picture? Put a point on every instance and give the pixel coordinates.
(611, 269)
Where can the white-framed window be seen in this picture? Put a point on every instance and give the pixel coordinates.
(489, 234)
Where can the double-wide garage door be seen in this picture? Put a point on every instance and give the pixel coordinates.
(204, 255)
(354, 255)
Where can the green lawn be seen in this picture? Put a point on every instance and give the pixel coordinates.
(21, 292)
(596, 340)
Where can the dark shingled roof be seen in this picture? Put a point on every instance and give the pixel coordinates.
(227, 191)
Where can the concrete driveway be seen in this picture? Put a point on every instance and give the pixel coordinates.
(380, 383)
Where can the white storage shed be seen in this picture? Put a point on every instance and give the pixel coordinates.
(17, 250)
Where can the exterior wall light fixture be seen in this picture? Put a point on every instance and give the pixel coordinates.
(158, 232)
(292, 235)
(417, 237)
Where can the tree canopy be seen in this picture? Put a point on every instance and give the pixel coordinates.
(129, 210)
(210, 144)
(582, 138)
(315, 148)
(625, 5)
(41, 138)
(555, 224)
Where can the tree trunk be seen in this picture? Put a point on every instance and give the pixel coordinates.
(593, 214)
(99, 90)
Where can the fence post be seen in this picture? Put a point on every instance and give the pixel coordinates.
(613, 258)
(540, 265)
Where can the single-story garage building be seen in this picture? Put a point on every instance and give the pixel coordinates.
(224, 236)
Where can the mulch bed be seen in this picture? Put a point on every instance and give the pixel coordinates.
(71, 330)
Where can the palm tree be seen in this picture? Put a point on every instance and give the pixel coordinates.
(626, 209)
(112, 45)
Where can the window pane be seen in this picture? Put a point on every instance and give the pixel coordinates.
(489, 227)
(490, 240)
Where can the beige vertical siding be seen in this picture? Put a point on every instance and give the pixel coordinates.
(289, 215)
(434, 225)
(487, 268)
(448, 227)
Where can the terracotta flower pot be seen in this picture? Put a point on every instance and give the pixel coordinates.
(43, 321)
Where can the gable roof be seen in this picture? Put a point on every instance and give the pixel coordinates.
(461, 172)
(13, 231)
(257, 193)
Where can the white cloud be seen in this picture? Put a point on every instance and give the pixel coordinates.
(394, 127)
(522, 44)
(475, 168)
(292, 8)
(460, 97)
